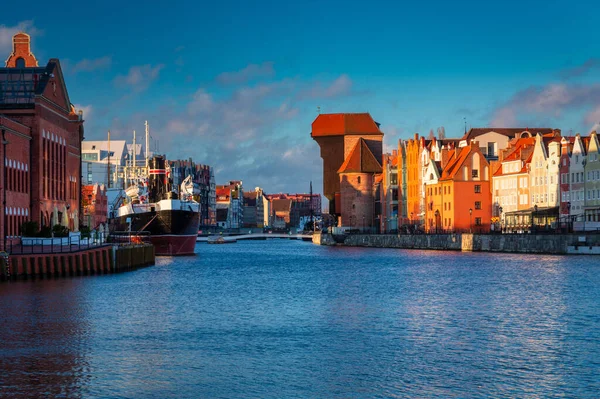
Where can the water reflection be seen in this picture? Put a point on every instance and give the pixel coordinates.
(276, 319)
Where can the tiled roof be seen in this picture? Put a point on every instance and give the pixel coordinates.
(457, 161)
(281, 205)
(508, 132)
(360, 160)
(344, 124)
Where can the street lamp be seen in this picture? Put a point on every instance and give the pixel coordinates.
(500, 216)
(470, 220)
(535, 209)
(569, 219)
(437, 215)
(411, 219)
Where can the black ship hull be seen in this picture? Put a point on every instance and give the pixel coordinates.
(172, 232)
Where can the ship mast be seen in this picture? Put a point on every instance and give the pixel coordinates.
(133, 151)
(147, 136)
(108, 162)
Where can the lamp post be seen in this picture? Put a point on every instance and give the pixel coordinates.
(363, 224)
(569, 219)
(411, 220)
(437, 215)
(500, 216)
(470, 220)
(535, 209)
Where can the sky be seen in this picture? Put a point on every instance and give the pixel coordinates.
(236, 85)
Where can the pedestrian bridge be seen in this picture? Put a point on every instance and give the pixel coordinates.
(261, 236)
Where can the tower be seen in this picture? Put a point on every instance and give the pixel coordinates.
(337, 135)
(21, 56)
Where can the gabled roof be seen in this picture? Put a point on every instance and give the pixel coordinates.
(222, 192)
(508, 132)
(457, 161)
(281, 205)
(360, 160)
(344, 124)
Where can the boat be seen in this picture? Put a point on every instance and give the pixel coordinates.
(150, 208)
(219, 240)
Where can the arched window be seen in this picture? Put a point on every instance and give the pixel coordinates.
(20, 63)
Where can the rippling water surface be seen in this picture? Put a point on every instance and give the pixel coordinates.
(284, 319)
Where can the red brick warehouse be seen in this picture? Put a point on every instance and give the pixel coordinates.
(41, 147)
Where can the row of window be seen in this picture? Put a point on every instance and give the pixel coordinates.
(54, 159)
(14, 218)
(448, 222)
(541, 180)
(17, 178)
(541, 198)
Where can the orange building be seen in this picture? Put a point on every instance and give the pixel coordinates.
(460, 201)
(414, 191)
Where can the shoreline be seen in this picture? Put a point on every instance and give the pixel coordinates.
(546, 244)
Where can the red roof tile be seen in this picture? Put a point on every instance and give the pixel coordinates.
(360, 160)
(344, 124)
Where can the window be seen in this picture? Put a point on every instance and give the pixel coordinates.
(474, 173)
(89, 156)
(477, 188)
(477, 204)
(358, 179)
(20, 63)
(477, 221)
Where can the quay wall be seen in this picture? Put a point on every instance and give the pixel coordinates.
(516, 243)
(101, 260)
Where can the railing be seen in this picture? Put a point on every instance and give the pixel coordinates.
(55, 245)
(129, 237)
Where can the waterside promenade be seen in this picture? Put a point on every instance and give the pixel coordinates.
(558, 244)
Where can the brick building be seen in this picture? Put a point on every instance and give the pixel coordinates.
(42, 136)
(94, 204)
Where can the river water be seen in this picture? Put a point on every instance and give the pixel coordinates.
(286, 319)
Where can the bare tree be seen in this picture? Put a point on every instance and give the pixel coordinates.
(441, 131)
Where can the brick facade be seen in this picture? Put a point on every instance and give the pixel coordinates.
(44, 136)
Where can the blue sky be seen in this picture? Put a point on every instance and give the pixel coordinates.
(237, 84)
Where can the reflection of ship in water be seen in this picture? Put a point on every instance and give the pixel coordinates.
(150, 205)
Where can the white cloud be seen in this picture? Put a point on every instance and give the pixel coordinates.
(90, 65)
(7, 32)
(250, 72)
(339, 87)
(140, 77)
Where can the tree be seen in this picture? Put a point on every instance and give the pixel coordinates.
(441, 131)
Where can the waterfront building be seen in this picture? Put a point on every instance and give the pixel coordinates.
(414, 204)
(101, 166)
(390, 193)
(204, 179)
(402, 184)
(94, 204)
(337, 136)
(576, 196)
(460, 201)
(566, 148)
(230, 205)
(493, 140)
(290, 209)
(358, 185)
(543, 172)
(592, 185)
(42, 134)
(510, 180)
(254, 208)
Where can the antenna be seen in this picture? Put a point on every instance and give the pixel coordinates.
(465, 119)
(318, 110)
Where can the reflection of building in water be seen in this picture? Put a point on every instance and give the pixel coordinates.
(44, 332)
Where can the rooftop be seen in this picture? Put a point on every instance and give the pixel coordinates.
(344, 124)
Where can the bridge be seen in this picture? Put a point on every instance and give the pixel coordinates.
(260, 236)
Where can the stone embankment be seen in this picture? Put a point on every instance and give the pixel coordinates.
(99, 260)
(518, 243)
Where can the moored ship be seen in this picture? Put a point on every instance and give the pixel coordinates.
(151, 207)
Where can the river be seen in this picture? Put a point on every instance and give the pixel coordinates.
(287, 319)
